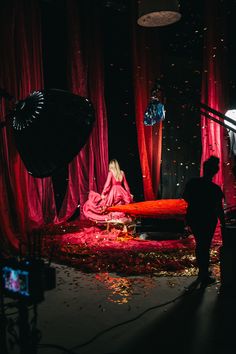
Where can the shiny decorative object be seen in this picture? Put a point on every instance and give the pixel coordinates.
(154, 113)
(157, 13)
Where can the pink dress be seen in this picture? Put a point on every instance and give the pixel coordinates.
(114, 193)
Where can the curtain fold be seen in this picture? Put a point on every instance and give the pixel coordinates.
(22, 197)
(146, 64)
(215, 94)
(85, 77)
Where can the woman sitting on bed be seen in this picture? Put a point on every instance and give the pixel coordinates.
(116, 191)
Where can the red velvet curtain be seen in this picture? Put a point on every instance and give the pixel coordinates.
(25, 201)
(28, 202)
(146, 63)
(215, 95)
(85, 76)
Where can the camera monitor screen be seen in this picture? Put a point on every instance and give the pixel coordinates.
(15, 281)
(26, 279)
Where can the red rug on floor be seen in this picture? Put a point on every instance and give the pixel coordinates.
(94, 249)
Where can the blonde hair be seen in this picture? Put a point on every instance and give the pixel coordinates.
(114, 167)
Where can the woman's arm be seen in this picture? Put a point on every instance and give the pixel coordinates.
(107, 185)
(125, 183)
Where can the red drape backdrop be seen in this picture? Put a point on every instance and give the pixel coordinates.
(28, 202)
(215, 95)
(146, 66)
(25, 202)
(85, 77)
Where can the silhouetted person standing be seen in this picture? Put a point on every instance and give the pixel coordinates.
(204, 199)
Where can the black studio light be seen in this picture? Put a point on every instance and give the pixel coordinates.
(50, 128)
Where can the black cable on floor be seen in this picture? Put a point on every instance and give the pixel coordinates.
(187, 292)
(71, 350)
(55, 346)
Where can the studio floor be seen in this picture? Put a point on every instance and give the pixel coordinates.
(104, 313)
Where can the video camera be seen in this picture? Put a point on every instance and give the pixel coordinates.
(26, 279)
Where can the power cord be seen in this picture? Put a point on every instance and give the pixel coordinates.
(55, 346)
(71, 350)
(187, 291)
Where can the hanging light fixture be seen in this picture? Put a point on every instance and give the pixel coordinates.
(156, 13)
